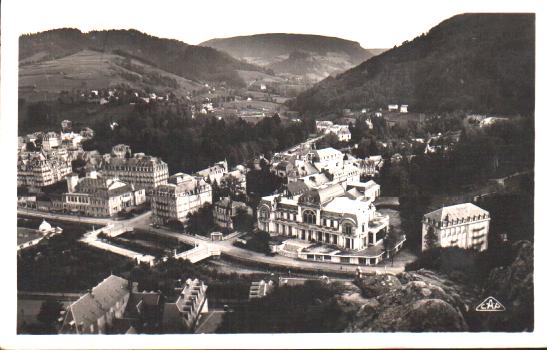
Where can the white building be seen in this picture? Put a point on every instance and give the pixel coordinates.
(95, 312)
(323, 125)
(327, 158)
(140, 170)
(327, 127)
(181, 195)
(36, 170)
(215, 172)
(50, 140)
(183, 314)
(100, 196)
(326, 214)
(462, 225)
(370, 188)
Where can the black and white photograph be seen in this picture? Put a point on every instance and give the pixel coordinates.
(332, 172)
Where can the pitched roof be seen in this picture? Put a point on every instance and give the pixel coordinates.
(323, 194)
(297, 187)
(458, 211)
(95, 304)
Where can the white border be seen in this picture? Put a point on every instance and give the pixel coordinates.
(8, 126)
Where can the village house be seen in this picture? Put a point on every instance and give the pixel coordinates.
(226, 209)
(214, 173)
(327, 127)
(181, 195)
(94, 312)
(462, 225)
(115, 306)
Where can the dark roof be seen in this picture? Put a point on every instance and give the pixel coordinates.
(297, 187)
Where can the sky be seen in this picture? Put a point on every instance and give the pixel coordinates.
(374, 24)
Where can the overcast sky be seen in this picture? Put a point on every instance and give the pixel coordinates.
(374, 24)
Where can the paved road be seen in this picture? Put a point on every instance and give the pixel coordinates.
(226, 247)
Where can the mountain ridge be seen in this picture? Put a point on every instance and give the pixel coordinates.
(479, 62)
(188, 61)
(330, 55)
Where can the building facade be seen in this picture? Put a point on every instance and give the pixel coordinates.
(462, 225)
(181, 195)
(215, 172)
(326, 214)
(139, 170)
(100, 196)
(183, 314)
(225, 210)
(95, 312)
(38, 170)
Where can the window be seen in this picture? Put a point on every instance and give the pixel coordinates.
(264, 214)
(347, 229)
(309, 217)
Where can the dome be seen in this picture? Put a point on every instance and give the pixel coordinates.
(44, 226)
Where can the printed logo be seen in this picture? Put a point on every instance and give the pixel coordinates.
(490, 304)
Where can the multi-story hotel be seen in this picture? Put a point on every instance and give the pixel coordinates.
(139, 170)
(39, 170)
(181, 195)
(327, 214)
(462, 225)
(100, 196)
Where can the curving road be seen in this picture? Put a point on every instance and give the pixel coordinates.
(226, 247)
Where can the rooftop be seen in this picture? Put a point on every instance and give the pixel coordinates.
(458, 211)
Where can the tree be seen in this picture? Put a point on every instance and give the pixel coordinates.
(231, 186)
(201, 222)
(243, 221)
(259, 242)
(431, 239)
(49, 313)
(389, 242)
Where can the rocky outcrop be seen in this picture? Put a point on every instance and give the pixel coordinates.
(513, 287)
(428, 301)
(375, 285)
(412, 302)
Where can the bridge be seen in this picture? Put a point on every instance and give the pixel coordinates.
(201, 252)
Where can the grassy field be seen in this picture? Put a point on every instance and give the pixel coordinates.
(91, 70)
(252, 76)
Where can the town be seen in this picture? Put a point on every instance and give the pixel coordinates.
(251, 198)
(327, 214)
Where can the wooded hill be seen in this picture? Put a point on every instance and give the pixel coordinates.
(479, 62)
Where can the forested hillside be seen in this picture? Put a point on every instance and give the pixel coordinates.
(479, 62)
(188, 61)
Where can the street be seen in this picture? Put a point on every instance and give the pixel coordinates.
(226, 247)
